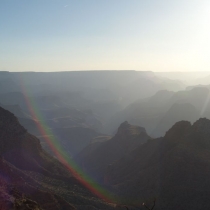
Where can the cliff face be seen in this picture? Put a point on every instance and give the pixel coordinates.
(22, 149)
(101, 155)
(175, 169)
(32, 179)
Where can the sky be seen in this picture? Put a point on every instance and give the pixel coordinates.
(65, 35)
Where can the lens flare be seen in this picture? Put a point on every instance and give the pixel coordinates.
(59, 152)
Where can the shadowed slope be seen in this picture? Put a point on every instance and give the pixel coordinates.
(175, 169)
(97, 157)
(28, 175)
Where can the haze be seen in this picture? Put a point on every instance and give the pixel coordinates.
(104, 35)
(104, 104)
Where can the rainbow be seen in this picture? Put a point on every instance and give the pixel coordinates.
(60, 153)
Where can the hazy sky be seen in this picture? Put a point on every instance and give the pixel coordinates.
(57, 35)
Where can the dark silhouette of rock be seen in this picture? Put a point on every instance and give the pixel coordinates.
(32, 179)
(160, 111)
(96, 158)
(175, 169)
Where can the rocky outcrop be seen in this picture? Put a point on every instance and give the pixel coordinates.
(174, 169)
(96, 158)
(24, 150)
(32, 179)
